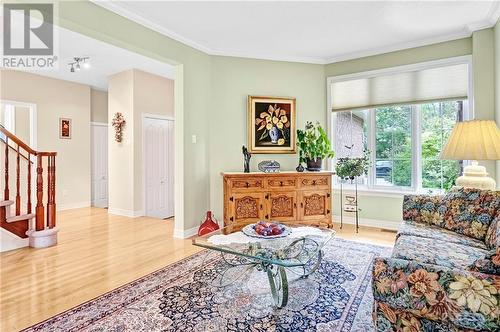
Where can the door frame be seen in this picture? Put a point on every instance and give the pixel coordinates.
(153, 116)
(33, 119)
(97, 124)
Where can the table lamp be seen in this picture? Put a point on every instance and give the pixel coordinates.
(474, 140)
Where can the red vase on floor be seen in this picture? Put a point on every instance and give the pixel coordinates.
(208, 225)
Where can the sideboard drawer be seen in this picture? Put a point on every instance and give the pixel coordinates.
(315, 182)
(281, 183)
(247, 184)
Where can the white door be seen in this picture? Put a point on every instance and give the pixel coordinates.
(99, 137)
(159, 167)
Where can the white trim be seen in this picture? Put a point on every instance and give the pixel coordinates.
(33, 119)
(463, 59)
(489, 21)
(71, 206)
(377, 223)
(99, 124)
(126, 213)
(184, 234)
(157, 116)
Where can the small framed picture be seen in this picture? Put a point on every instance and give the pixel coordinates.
(64, 128)
(271, 124)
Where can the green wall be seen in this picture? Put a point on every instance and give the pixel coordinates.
(215, 90)
(235, 78)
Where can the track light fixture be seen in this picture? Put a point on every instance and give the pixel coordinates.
(75, 65)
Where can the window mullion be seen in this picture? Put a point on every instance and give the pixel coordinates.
(371, 145)
(416, 149)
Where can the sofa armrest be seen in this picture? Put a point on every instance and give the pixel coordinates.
(469, 300)
(423, 209)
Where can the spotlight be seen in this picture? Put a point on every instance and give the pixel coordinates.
(72, 69)
(78, 65)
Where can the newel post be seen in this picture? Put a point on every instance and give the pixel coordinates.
(39, 219)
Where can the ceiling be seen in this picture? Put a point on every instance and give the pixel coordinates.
(313, 32)
(105, 60)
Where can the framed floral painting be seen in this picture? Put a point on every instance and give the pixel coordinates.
(271, 124)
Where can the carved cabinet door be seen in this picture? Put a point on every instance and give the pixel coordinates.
(246, 208)
(282, 206)
(314, 205)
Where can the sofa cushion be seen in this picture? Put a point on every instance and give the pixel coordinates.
(423, 209)
(435, 232)
(489, 264)
(493, 234)
(437, 252)
(470, 211)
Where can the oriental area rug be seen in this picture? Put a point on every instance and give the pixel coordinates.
(182, 297)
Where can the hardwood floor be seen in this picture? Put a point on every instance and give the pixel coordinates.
(96, 253)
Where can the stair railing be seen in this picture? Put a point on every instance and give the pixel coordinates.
(43, 218)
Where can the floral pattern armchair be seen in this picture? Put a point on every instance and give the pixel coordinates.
(444, 273)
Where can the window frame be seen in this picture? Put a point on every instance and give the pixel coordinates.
(416, 185)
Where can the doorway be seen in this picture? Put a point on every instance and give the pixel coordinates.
(159, 152)
(99, 164)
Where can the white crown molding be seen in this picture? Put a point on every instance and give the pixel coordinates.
(398, 47)
(128, 14)
(489, 21)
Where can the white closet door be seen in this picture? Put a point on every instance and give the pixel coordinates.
(99, 137)
(159, 164)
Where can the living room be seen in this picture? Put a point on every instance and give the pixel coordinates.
(374, 80)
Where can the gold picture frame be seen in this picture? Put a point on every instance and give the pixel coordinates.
(271, 124)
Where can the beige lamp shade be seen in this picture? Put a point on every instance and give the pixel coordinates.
(473, 140)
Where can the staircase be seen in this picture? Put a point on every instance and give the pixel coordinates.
(23, 181)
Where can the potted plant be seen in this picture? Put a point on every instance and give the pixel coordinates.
(314, 146)
(350, 168)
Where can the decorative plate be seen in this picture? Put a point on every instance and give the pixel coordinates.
(248, 230)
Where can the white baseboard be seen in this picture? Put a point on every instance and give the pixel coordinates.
(126, 213)
(69, 206)
(384, 224)
(184, 234)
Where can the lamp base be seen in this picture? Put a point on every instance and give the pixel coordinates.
(475, 176)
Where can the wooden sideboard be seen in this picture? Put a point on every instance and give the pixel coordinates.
(288, 197)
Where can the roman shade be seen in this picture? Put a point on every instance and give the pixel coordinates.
(411, 87)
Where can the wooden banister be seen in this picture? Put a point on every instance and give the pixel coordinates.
(45, 214)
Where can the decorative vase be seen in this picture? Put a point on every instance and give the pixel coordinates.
(299, 168)
(208, 225)
(314, 165)
(274, 134)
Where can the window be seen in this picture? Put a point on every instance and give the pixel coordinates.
(403, 116)
(405, 142)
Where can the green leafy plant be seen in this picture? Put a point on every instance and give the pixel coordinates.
(350, 168)
(313, 143)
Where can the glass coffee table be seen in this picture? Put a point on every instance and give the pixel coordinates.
(300, 252)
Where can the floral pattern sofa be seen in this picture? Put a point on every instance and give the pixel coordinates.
(444, 272)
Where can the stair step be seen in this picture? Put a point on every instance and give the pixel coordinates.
(21, 217)
(6, 203)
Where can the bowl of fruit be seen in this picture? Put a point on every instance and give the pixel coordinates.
(266, 229)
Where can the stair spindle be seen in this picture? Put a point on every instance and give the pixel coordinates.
(51, 192)
(39, 219)
(6, 184)
(18, 183)
(28, 206)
